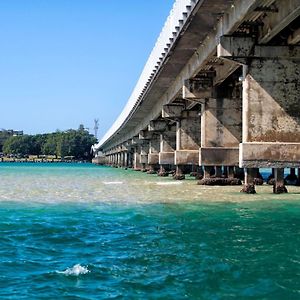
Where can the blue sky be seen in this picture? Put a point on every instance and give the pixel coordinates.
(66, 62)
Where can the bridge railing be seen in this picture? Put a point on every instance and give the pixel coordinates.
(179, 14)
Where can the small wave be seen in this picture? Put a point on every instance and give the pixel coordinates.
(75, 270)
(169, 183)
(112, 182)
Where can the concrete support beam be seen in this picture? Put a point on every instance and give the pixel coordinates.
(221, 127)
(235, 48)
(154, 148)
(144, 150)
(219, 156)
(270, 155)
(145, 135)
(273, 23)
(279, 186)
(137, 158)
(294, 38)
(157, 126)
(198, 89)
(167, 146)
(172, 111)
(271, 110)
(188, 138)
(250, 175)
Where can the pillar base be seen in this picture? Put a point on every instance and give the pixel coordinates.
(162, 172)
(179, 177)
(151, 172)
(279, 189)
(179, 174)
(219, 181)
(248, 189)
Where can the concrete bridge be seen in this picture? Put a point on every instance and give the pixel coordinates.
(219, 96)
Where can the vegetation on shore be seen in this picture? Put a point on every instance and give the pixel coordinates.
(71, 143)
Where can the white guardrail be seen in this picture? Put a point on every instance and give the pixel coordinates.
(179, 14)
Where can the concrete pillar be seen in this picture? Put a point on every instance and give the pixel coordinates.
(188, 140)
(144, 155)
(153, 155)
(250, 175)
(130, 158)
(123, 162)
(271, 109)
(137, 158)
(279, 187)
(221, 130)
(119, 159)
(167, 148)
(230, 172)
(207, 172)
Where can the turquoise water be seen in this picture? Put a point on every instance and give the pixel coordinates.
(86, 232)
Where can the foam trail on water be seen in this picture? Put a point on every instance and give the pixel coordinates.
(76, 270)
(168, 183)
(112, 182)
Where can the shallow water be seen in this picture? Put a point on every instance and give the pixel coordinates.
(86, 232)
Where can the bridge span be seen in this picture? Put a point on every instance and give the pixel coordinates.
(219, 96)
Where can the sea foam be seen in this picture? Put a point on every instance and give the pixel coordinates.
(169, 183)
(76, 270)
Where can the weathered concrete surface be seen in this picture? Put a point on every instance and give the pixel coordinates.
(137, 159)
(153, 158)
(218, 156)
(166, 158)
(271, 101)
(186, 157)
(279, 186)
(154, 148)
(271, 119)
(145, 135)
(188, 131)
(157, 126)
(270, 155)
(221, 123)
(167, 146)
(172, 111)
(198, 89)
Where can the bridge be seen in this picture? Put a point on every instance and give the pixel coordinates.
(219, 96)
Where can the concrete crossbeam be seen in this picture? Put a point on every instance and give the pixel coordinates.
(186, 157)
(216, 156)
(172, 111)
(157, 126)
(270, 155)
(145, 135)
(166, 158)
(197, 89)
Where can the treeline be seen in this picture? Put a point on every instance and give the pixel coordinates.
(72, 143)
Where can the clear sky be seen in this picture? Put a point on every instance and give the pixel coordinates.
(66, 62)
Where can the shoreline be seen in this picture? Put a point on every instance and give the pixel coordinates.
(40, 160)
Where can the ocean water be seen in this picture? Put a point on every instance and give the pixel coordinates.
(78, 231)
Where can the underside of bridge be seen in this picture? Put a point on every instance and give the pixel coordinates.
(222, 99)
